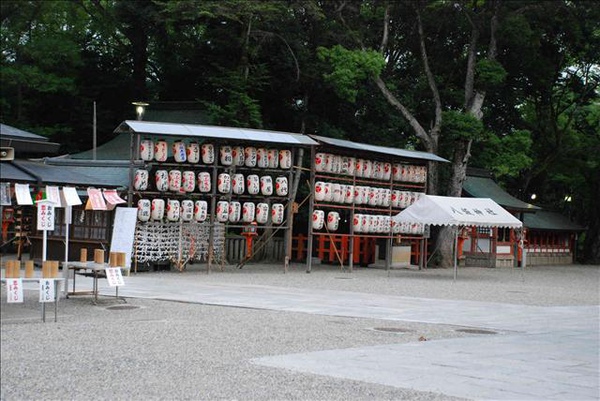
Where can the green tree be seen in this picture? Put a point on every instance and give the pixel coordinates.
(413, 52)
(40, 59)
(550, 52)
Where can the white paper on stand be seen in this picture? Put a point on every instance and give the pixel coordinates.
(70, 197)
(23, 194)
(53, 195)
(114, 277)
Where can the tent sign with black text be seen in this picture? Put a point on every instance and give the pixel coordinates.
(460, 212)
(449, 211)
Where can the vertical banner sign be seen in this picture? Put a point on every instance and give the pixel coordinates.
(14, 290)
(114, 277)
(45, 216)
(5, 194)
(46, 290)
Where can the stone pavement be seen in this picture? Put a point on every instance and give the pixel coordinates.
(536, 353)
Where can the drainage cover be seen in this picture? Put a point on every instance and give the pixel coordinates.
(476, 331)
(122, 307)
(392, 329)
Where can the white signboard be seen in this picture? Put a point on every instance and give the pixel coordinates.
(123, 232)
(47, 290)
(14, 290)
(114, 277)
(45, 216)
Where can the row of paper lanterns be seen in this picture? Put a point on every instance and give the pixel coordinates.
(193, 152)
(365, 223)
(378, 224)
(363, 195)
(363, 168)
(186, 181)
(188, 210)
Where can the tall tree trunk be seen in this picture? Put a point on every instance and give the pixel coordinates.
(429, 139)
(473, 105)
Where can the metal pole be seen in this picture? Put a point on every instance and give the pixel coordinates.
(212, 219)
(132, 158)
(311, 203)
(95, 139)
(44, 245)
(68, 212)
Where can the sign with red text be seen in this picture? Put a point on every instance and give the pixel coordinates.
(14, 290)
(45, 216)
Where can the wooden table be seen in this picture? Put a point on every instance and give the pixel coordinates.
(57, 282)
(90, 269)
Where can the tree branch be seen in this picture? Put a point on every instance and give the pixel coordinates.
(470, 76)
(272, 34)
(430, 78)
(416, 126)
(386, 29)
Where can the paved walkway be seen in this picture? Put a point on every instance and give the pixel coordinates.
(538, 353)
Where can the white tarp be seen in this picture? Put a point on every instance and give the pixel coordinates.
(449, 211)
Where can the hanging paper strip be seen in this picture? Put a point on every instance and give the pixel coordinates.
(95, 200)
(70, 197)
(112, 198)
(23, 194)
(53, 195)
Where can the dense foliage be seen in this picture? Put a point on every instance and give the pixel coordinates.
(511, 86)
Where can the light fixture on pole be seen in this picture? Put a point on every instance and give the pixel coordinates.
(140, 108)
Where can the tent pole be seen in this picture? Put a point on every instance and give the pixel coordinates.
(455, 252)
(523, 250)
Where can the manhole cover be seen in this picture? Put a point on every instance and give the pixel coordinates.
(476, 331)
(392, 329)
(122, 307)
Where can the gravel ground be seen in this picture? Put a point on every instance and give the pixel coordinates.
(542, 285)
(160, 350)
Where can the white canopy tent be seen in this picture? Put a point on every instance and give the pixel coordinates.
(451, 211)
